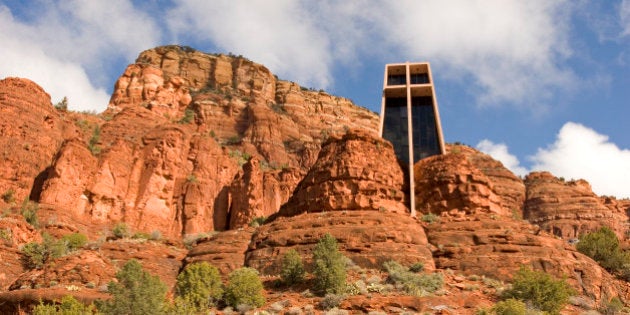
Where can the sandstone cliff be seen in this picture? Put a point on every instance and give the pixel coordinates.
(195, 147)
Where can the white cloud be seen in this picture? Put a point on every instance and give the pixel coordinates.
(67, 48)
(511, 51)
(581, 152)
(279, 34)
(499, 151)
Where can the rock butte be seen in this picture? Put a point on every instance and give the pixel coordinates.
(193, 147)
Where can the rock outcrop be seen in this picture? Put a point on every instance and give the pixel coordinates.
(355, 172)
(368, 238)
(465, 181)
(570, 209)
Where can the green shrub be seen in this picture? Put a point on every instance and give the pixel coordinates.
(136, 292)
(292, 270)
(62, 105)
(9, 196)
(329, 266)
(603, 247)
(510, 307)
(120, 230)
(74, 241)
(331, 301)
(93, 142)
(189, 116)
(540, 289)
(67, 306)
(411, 282)
(244, 288)
(35, 255)
(429, 218)
(417, 267)
(257, 221)
(614, 306)
(29, 212)
(200, 284)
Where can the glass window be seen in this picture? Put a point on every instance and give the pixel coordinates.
(399, 79)
(424, 133)
(395, 126)
(419, 78)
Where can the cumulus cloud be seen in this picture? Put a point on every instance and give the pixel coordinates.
(499, 151)
(511, 51)
(67, 47)
(281, 35)
(581, 152)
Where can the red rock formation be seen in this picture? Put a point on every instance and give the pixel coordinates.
(466, 181)
(31, 132)
(569, 209)
(497, 247)
(355, 172)
(369, 238)
(224, 250)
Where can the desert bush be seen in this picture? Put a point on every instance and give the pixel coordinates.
(189, 116)
(540, 289)
(136, 292)
(292, 270)
(411, 282)
(67, 306)
(29, 211)
(74, 241)
(200, 284)
(331, 301)
(244, 287)
(62, 105)
(258, 221)
(120, 230)
(417, 267)
(603, 247)
(35, 255)
(9, 196)
(614, 306)
(329, 266)
(510, 307)
(430, 218)
(93, 142)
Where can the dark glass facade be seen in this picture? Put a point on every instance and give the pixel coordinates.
(395, 127)
(419, 78)
(424, 130)
(397, 79)
(425, 137)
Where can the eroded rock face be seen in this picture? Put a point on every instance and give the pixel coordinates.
(355, 172)
(224, 250)
(570, 209)
(496, 248)
(369, 238)
(31, 132)
(466, 181)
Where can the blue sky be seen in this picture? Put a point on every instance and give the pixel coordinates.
(540, 85)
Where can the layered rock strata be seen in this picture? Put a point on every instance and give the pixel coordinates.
(570, 209)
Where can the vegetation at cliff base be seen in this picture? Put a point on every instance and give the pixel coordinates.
(200, 285)
(67, 306)
(603, 246)
(244, 288)
(292, 270)
(411, 282)
(329, 266)
(540, 290)
(136, 292)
